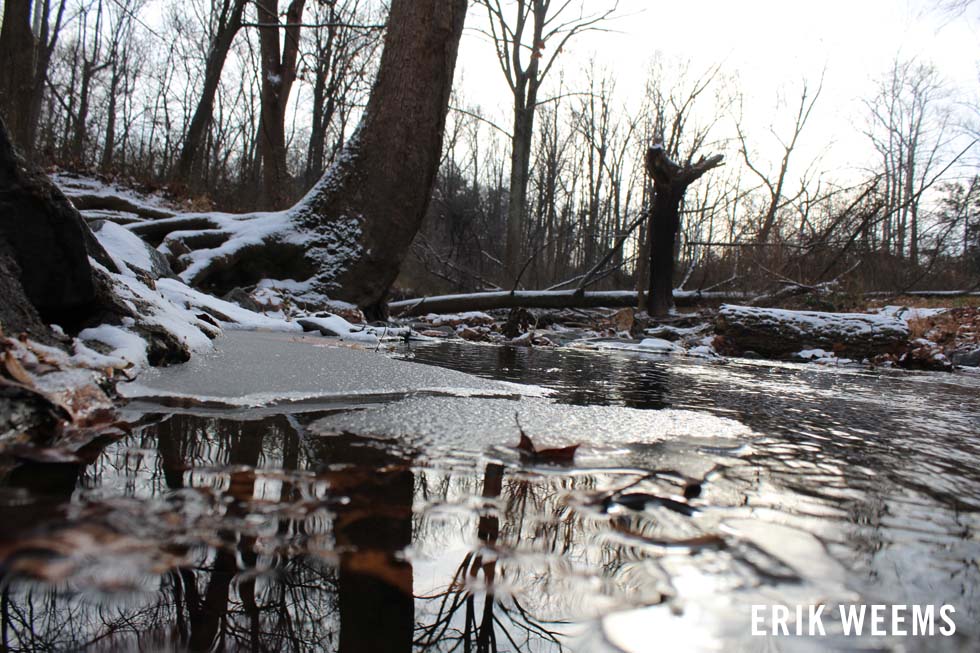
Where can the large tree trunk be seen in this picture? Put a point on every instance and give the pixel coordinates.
(520, 165)
(228, 26)
(379, 190)
(49, 242)
(670, 182)
(17, 52)
(45, 270)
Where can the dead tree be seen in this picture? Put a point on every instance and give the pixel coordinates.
(670, 182)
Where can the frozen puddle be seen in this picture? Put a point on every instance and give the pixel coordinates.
(249, 369)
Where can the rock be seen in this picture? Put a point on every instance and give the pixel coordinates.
(925, 355)
(966, 358)
(243, 299)
(473, 335)
(438, 332)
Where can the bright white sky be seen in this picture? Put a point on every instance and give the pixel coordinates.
(771, 45)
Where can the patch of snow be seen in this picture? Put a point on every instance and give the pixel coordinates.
(809, 354)
(229, 314)
(334, 325)
(125, 345)
(909, 313)
(468, 317)
(647, 345)
(702, 351)
(123, 245)
(814, 321)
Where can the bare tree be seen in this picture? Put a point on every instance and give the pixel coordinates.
(670, 182)
(18, 51)
(774, 182)
(910, 129)
(227, 21)
(352, 230)
(279, 58)
(528, 35)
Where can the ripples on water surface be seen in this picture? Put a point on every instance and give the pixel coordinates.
(414, 525)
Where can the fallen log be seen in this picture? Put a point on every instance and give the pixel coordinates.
(486, 301)
(775, 332)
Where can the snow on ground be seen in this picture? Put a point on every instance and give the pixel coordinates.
(228, 314)
(76, 186)
(454, 319)
(334, 325)
(909, 313)
(647, 345)
(124, 246)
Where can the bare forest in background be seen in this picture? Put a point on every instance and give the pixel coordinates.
(237, 105)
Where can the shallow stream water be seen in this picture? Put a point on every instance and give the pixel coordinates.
(386, 521)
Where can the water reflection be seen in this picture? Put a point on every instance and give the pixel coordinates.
(202, 533)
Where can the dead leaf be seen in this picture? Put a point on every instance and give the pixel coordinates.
(16, 371)
(528, 450)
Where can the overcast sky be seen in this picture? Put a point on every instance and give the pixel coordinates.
(770, 44)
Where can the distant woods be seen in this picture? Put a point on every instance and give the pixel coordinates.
(242, 105)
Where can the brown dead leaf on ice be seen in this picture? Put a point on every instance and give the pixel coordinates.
(529, 451)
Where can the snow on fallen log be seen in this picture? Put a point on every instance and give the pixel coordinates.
(779, 332)
(486, 301)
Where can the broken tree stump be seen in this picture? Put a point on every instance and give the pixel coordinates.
(775, 332)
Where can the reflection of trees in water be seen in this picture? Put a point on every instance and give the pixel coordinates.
(537, 562)
(310, 558)
(247, 588)
(476, 577)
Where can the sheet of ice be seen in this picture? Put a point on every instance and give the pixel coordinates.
(647, 345)
(252, 368)
(474, 425)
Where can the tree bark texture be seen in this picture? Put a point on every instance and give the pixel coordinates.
(48, 240)
(278, 75)
(543, 299)
(17, 54)
(377, 194)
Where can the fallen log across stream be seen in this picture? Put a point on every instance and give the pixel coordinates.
(486, 301)
(775, 332)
